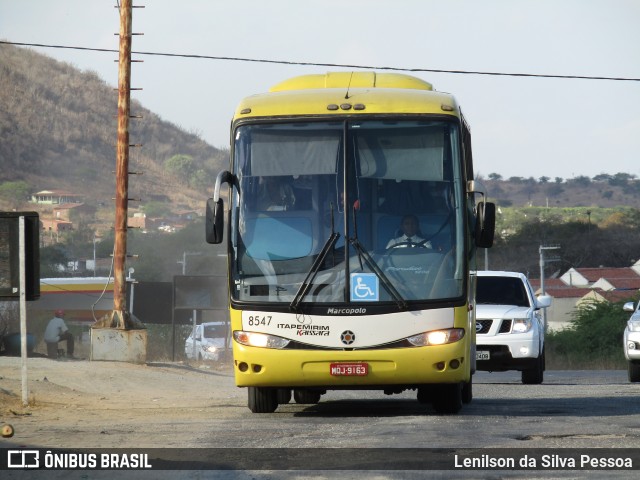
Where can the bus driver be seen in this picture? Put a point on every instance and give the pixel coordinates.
(410, 236)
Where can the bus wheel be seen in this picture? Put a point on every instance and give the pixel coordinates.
(283, 395)
(262, 400)
(447, 398)
(467, 391)
(425, 394)
(306, 396)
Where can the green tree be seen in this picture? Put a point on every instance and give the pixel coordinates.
(51, 260)
(595, 335)
(554, 189)
(620, 179)
(182, 166)
(156, 209)
(201, 179)
(602, 177)
(581, 180)
(14, 193)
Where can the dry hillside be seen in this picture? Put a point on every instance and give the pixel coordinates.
(58, 131)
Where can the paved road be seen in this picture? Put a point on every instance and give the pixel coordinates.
(577, 410)
(569, 414)
(571, 409)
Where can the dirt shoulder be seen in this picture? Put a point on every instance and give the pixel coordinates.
(79, 403)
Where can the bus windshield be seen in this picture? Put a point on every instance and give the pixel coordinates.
(348, 212)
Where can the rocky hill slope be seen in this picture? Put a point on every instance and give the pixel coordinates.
(58, 129)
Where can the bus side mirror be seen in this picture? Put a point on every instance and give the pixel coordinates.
(214, 223)
(485, 224)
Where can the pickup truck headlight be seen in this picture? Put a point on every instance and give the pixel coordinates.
(634, 326)
(254, 339)
(521, 325)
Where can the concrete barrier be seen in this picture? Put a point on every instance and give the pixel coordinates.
(119, 345)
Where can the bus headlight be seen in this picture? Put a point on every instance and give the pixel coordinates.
(254, 339)
(437, 337)
(521, 325)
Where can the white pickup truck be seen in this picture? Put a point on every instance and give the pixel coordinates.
(632, 341)
(509, 325)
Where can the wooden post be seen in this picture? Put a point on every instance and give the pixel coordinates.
(122, 167)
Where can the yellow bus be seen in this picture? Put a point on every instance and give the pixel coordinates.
(352, 225)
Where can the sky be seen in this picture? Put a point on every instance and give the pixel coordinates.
(522, 127)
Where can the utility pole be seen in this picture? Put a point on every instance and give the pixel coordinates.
(119, 315)
(94, 254)
(120, 337)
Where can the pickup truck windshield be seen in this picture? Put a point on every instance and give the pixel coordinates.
(501, 291)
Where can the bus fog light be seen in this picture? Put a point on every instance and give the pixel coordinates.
(243, 367)
(454, 363)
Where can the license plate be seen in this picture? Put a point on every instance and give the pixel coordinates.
(349, 369)
(483, 355)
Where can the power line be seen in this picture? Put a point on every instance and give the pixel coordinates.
(332, 65)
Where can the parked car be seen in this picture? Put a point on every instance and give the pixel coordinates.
(210, 341)
(632, 341)
(509, 325)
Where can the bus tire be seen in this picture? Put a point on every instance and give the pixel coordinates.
(306, 396)
(447, 398)
(467, 391)
(425, 394)
(283, 395)
(262, 400)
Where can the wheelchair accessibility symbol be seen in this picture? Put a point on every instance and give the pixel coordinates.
(364, 287)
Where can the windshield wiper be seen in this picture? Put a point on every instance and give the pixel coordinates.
(373, 266)
(313, 271)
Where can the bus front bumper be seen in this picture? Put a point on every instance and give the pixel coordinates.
(331, 369)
